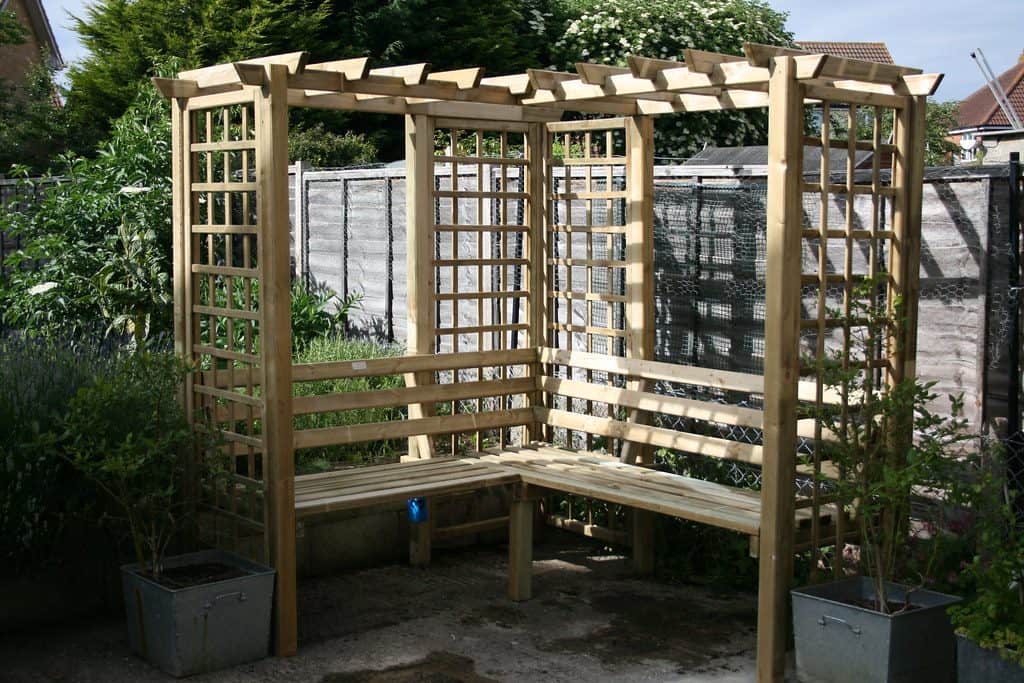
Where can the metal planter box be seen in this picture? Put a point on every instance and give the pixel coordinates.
(975, 664)
(837, 642)
(201, 628)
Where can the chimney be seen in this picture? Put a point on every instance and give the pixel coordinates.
(1020, 60)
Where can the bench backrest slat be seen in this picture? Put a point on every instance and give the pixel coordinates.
(652, 436)
(426, 426)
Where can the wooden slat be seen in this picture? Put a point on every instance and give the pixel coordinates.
(655, 403)
(625, 492)
(653, 436)
(353, 482)
(226, 312)
(400, 493)
(351, 69)
(463, 79)
(517, 84)
(410, 74)
(834, 67)
(225, 271)
(424, 426)
(226, 73)
(656, 370)
(589, 124)
(400, 397)
(228, 395)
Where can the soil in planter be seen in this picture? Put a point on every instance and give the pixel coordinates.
(191, 575)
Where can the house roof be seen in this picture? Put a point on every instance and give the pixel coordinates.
(980, 109)
(869, 52)
(40, 26)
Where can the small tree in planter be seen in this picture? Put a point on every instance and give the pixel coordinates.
(888, 447)
(128, 434)
(991, 624)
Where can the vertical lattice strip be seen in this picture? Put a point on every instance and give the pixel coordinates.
(589, 203)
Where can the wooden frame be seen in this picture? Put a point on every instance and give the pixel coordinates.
(535, 372)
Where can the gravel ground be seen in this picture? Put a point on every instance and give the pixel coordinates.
(589, 620)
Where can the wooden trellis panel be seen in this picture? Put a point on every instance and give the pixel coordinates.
(222, 319)
(233, 321)
(476, 219)
(840, 255)
(598, 249)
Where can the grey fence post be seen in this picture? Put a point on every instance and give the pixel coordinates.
(300, 222)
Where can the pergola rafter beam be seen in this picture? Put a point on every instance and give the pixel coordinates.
(410, 74)
(226, 74)
(833, 67)
(702, 81)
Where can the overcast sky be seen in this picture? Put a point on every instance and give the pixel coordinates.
(936, 35)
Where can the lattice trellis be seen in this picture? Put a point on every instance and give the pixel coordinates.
(224, 259)
(481, 236)
(848, 267)
(586, 252)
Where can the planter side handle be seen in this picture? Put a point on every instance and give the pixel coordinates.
(825, 618)
(224, 596)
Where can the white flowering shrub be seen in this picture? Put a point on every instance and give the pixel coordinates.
(608, 31)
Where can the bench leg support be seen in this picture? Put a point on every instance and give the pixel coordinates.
(520, 544)
(643, 541)
(420, 538)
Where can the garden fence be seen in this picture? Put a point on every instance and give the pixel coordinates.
(349, 235)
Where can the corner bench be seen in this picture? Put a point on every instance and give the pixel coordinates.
(542, 391)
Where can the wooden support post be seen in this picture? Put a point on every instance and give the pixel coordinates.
(181, 283)
(421, 287)
(537, 144)
(276, 347)
(421, 535)
(643, 541)
(640, 260)
(781, 366)
(905, 256)
(520, 543)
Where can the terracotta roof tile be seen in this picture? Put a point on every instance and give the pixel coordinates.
(980, 108)
(871, 52)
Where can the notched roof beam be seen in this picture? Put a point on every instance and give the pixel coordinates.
(225, 74)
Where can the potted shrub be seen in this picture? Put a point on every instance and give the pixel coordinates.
(189, 613)
(990, 626)
(888, 446)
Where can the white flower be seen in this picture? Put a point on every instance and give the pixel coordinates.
(42, 288)
(133, 189)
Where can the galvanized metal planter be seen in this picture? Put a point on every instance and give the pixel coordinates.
(975, 664)
(202, 628)
(837, 642)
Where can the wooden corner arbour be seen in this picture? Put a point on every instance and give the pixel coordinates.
(531, 296)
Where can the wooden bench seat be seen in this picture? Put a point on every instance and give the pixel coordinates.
(603, 477)
(363, 487)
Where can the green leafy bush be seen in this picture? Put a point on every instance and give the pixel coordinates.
(888, 445)
(40, 495)
(318, 312)
(330, 349)
(127, 433)
(993, 617)
(80, 420)
(608, 31)
(322, 148)
(101, 238)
